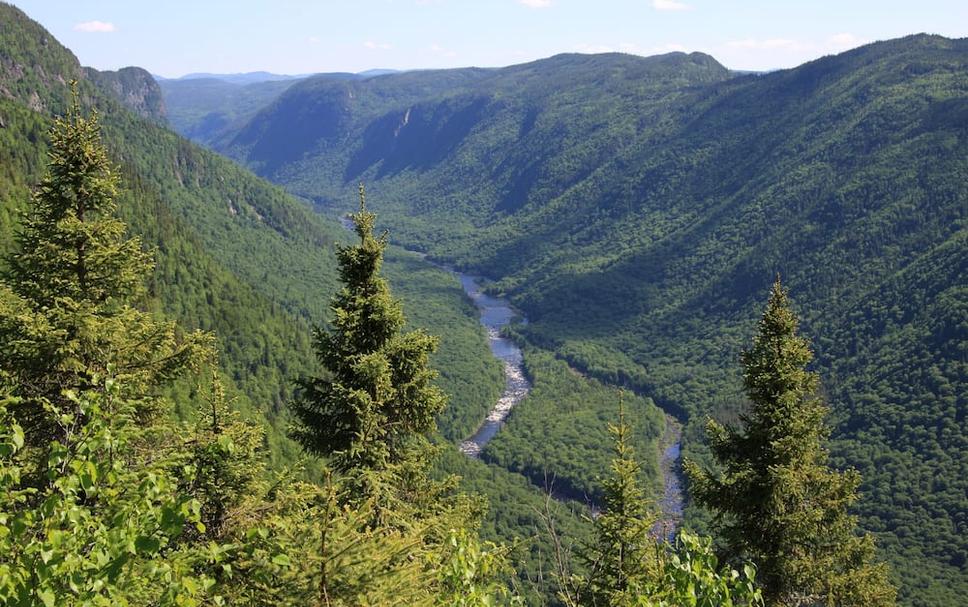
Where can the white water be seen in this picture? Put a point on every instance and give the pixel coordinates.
(496, 313)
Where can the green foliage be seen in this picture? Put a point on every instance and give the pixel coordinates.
(126, 520)
(778, 501)
(470, 577)
(633, 208)
(376, 394)
(225, 456)
(625, 555)
(690, 575)
(105, 526)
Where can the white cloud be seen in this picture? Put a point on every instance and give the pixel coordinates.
(96, 27)
(381, 46)
(313, 40)
(535, 3)
(670, 5)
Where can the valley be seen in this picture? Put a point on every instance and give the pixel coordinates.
(633, 208)
(572, 237)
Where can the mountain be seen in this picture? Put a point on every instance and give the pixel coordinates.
(135, 88)
(207, 107)
(238, 256)
(637, 209)
(203, 109)
(242, 78)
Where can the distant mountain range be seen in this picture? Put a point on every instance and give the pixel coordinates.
(256, 77)
(242, 78)
(638, 208)
(204, 107)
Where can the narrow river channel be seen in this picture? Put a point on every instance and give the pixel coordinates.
(497, 313)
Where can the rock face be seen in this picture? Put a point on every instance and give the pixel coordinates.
(34, 67)
(135, 88)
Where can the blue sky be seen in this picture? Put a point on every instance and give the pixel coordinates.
(174, 37)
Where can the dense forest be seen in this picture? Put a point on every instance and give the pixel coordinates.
(106, 499)
(238, 257)
(636, 208)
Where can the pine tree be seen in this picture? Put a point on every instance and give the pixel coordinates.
(67, 302)
(778, 502)
(624, 558)
(376, 393)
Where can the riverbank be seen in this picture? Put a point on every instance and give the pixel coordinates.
(495, 314)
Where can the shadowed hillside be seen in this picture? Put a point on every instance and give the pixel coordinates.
(636, 209)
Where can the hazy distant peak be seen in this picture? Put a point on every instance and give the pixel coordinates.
(241, 78)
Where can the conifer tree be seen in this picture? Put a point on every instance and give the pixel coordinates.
(778, 502)
(376, 394)
(625, 556)
(67, 301)
(225, 459)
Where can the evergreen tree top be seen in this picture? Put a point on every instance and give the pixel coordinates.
(68, 315)
(71, 246)
(778, 502)
(377, 392)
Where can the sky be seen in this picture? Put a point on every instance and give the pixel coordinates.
(175, 37)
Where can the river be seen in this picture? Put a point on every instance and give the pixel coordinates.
(672, 501)
(497, 313)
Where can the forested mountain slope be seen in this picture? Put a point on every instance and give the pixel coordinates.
(207, 108)
(135, 88)
(203, 109)
(234, 254)
(637, 209)
(240, 257)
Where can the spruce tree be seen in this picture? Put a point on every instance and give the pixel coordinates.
(778, 502)
(376, 393)
(67, 301)
(624, 558)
